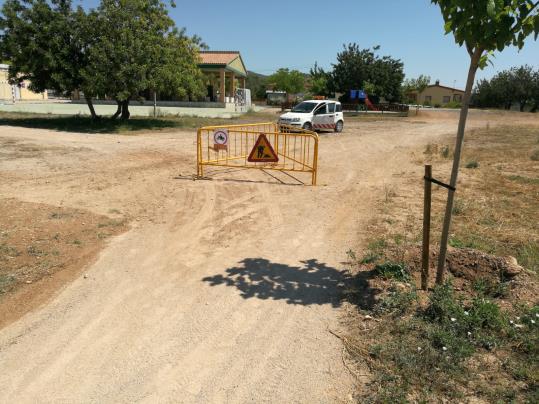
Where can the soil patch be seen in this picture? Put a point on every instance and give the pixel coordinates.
(42, 247)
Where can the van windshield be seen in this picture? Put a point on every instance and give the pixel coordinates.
(304, 107)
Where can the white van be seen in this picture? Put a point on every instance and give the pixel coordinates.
(315, 115)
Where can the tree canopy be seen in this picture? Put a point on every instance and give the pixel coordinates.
(518, 85)
(355, 67)
(291, 81)
(119, 50)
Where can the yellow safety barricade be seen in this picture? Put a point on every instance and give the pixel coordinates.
(262, 146)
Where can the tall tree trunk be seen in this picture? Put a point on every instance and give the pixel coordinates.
(522, 105)
(118, 110)
(474, 64)
(125, 110)
(91, 107)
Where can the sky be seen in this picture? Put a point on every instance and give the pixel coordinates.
(296, 34)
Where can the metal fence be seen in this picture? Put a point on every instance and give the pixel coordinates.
(296, 150)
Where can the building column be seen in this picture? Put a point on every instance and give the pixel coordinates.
(242, 82)
(222, 85)
(232, 85)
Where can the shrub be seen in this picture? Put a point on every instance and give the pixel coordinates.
(392, 270)
(472, 164)
(535, 155)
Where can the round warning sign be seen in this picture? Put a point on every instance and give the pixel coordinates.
(220, 136)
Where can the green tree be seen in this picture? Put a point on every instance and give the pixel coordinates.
(522, 79)
(414, 86)
(321, 81)
(44, 42)
(516, 85)
(119, 50)
(535, 91)
(291, 81)
(135, 47)
(482, 26)
(356, 66)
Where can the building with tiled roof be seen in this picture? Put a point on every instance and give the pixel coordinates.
(225, 72)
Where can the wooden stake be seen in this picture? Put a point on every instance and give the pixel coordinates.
(426, 229)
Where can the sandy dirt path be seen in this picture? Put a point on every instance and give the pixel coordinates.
(222, 291)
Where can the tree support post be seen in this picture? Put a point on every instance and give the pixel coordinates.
(426, 228)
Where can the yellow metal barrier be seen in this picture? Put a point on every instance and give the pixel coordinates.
(296, 150)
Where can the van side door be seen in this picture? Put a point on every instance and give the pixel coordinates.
(321, 119)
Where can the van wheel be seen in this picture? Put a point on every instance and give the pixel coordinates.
(307, 126)
(339, 126)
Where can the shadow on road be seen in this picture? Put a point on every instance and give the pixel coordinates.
(311, 283)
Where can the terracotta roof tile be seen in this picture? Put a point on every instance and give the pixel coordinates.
(218, 57)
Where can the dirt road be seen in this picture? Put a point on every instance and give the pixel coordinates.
(222, 291)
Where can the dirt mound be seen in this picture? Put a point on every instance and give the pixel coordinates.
(473, 264)
(468, 264)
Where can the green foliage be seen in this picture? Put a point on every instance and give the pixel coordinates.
(356, 67)
(321, 81)
(491, 288)
(426, 353)
(411, 86)
(43, 42)
(517, 85)
(392, 270)
(472, 164)
(119, 50)
(291, 81)
(136, 47)
(397, 302)
(453, 104)
(490, 25)
(375, 251)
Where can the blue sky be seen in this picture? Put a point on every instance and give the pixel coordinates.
(295, 34)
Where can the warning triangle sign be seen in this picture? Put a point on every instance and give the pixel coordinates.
(262, 151)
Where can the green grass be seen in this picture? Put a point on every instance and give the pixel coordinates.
(392, 270)
(427, 354)
(84, 124)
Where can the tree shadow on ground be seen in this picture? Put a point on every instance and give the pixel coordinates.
(311, 283)
(85, 124)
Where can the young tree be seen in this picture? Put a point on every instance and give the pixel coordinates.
(482, 26)
(291, 81)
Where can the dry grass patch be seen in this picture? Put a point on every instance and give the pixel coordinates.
(41, 248)
(476, 338)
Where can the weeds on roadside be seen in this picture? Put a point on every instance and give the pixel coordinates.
(427, 353)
